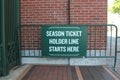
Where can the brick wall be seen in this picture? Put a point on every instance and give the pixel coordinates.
(44, 11)
(56, 12)
(88, 11)
(30, 38)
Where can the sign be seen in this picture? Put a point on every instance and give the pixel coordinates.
(64, 41)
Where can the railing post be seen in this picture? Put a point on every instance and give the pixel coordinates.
(4, 44)
(115, 60)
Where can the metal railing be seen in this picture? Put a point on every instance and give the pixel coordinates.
(101, 41)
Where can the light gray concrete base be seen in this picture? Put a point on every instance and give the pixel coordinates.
(45, 61)
(65, 61)
(87, 61)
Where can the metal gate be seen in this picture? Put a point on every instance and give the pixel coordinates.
(101, 41)
(9, 43)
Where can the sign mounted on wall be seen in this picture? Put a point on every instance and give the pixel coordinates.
(64, 41)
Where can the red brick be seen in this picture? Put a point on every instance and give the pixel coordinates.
(55, 12)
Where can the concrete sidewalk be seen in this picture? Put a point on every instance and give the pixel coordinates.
(14, 73)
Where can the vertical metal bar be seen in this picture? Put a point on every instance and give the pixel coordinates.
(39, 41)
(90, 35)
(90, 41)
(4, 40)
(0, 38)
(110, 40)
(1, 67)
(12, 25)
(24, 47)
(25, 52)
(29, 42)
(34, 37)
(115, 59)
(18, 29)
(10, 18)
(105, 40)
(15, 35)
(0, 23)
(13, 21)
(100, 33)
(94, 43)
(95, 40)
